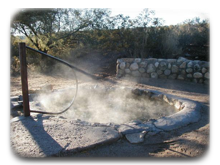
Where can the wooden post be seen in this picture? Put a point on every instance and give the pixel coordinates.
(24, 81)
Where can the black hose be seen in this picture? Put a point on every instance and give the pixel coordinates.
(69, 65)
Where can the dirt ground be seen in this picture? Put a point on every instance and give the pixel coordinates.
(190, 141)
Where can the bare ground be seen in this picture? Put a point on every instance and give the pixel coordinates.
(190, 141)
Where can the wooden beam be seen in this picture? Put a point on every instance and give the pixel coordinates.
(24, 80)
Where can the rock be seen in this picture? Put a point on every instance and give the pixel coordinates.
(145, 75)
(156, 64)
(183, 72)
(183, 65)
(162, 76)
(181, 69)
(181, 59)
(167, 72)
(195, 80)
(196, 68)
(127, 65)
(125, 129)
(171, 60)
(31, 138)
(206, 64)
(206, 75)
(180, 77)
(200, 81)
(151, 68)
(197, 75)
(136, 73)
(134, 66)
(120, 71)
(204, 70)
(191, 113)
(206, 82)
(177, 105)
(154, 75)
(152, 59)
(127, 71)
(136, 137)
(143, 64)
(163, 65)
(172, 76)
(128, 60)
(137, 60)
(190, 64)
(159, 72)
(135, 122)
(175, 69)
(189, 75)
(119, 61)
(189, 70)
(169, 66)
(141, 70)
(122, 65)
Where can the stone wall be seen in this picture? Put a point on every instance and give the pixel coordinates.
(181, 69)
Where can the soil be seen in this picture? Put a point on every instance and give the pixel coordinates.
(190, 141)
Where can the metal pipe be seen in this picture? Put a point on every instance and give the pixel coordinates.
(62, 61)
(69, 65)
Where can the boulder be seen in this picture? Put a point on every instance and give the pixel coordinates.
(189, 70)
(169, 66)
(137, 60)
(183, 65)
(159, 72)
(190, 64)
(156, 64)
(134, 66)
(154, 75)
(136, 73)
(197, 75)
(172, 76)
(181, 59)
(204, 70)
(141, 70)
(189, 75)
(143, 64)
(127, 71)
(207, 75)
(167, 72)
(122, 65)
(136, 137)
(175, 69)
(180, 77)
(163, 65)
(197, 67)
(151, 68)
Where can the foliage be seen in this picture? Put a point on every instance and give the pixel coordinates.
(69, 33)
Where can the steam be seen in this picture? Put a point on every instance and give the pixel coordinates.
(104, 105)
(97, 103)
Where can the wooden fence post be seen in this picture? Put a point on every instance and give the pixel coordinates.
(24, 80)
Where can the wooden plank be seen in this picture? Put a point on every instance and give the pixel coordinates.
(24, 80)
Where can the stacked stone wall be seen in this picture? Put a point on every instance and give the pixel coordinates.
(180, 69)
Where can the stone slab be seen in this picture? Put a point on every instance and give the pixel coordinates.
(130, 129)
(45, 136)
(16, 104)
(191, 113)
(136, 137)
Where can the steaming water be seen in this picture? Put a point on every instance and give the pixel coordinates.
(98, 104)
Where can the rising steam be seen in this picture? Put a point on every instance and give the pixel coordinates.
(96, 103)
(104, 105)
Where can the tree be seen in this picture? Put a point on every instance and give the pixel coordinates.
(50, 28)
